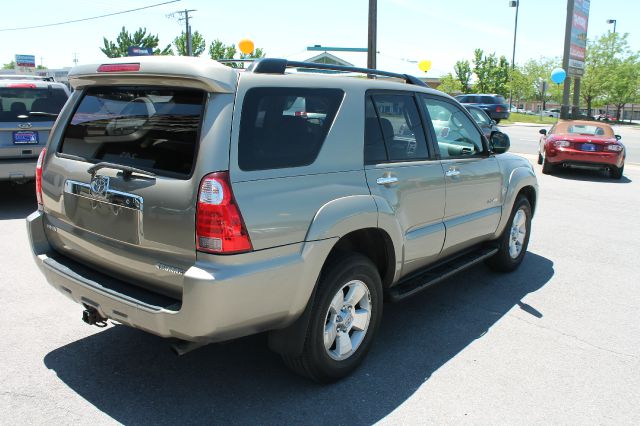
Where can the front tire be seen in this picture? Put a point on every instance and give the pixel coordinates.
(514, 240)
(344, 319)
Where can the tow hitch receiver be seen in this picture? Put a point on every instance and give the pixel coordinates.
(92, 317)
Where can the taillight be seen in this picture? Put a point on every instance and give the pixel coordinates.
(614, 147)
(301, 114)
(219, 224)
(498, 109)
(562, 144)
(39, 177)
(118, 67)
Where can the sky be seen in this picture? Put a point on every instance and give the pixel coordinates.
(442, 31)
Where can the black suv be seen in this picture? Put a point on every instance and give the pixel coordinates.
(494, 105)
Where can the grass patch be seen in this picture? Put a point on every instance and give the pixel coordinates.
(516, 117)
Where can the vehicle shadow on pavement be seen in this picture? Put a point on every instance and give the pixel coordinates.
(134, 378)
(19, 201)
(589, 176)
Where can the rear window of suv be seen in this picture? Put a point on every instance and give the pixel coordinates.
(19, 100)
(285, 127)
(155, 129)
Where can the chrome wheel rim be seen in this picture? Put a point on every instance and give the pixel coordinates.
(518, 233)
(347, 320)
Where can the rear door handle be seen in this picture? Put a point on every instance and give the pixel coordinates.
(386, 180)
(452, 172)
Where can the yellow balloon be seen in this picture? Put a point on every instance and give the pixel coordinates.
(424, 65)
(246, 46)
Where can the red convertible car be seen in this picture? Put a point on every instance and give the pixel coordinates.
(582, 144)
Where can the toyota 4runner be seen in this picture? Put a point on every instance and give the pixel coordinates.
(202, 203)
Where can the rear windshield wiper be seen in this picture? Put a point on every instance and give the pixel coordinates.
(43, 114)
(127, 171)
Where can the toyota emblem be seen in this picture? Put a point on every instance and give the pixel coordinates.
(99, 186)
(25, 125)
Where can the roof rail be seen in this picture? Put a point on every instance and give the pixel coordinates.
(278, 66)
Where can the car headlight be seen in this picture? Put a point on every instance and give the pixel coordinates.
(562, 144)
(614, 147)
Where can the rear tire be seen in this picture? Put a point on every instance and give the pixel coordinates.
(344, 319)
(514, 239)
(616, 172)
(547, 168)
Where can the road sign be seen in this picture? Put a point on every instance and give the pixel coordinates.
(26, 61)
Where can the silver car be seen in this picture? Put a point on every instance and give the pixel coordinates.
(202, 203)
(28, 109)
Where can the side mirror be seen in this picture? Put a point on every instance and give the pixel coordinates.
(499, 142)
(618, 137)
(543, 132)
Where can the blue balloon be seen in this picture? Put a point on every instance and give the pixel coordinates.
(558, 75)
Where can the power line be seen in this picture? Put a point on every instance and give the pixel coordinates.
(88, 19)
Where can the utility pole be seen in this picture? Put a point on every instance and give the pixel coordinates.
(184, 15)
(371, 45)
(75, 58)
(516, 4)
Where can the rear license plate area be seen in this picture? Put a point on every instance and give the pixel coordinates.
(589, 147)
(104, 218)
(25, 137)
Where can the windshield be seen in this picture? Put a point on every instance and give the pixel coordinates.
(16, 103)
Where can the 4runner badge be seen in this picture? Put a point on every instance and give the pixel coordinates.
(99, 186)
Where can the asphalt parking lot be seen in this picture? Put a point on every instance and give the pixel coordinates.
(556, 342)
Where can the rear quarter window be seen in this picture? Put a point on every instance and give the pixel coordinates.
(155, 129)
(285, 127)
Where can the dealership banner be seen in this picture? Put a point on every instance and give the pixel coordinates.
(578, 46)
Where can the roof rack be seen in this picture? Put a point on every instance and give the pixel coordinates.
(278, 66)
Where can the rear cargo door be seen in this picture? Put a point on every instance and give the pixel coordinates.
(120, 190)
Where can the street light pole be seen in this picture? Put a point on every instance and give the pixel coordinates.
(516, 4)
(614, 22)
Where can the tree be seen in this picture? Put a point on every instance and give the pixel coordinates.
(463, 75)
(219, 50)
(11, 65)
(537, 71)
(520, 86)
(41, 67)
(198, 44)
(618, 68)
(450, 84)
(492, 73)
(139, 39)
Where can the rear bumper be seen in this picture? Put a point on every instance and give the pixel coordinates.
(18, 169)
(598, 159)
(243, 294)
(498, 115)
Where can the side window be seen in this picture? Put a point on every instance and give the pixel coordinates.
(487, 100)
(285, 127)
(457, 136)
(480, 117)
(374, 149)
(401, 127)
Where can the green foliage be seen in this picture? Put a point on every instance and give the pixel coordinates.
(198, 44)
(219, 50)
(450, 84)
(139, 39)
(11, 65)
(463, 75)
(492, 73)
(41, 67)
